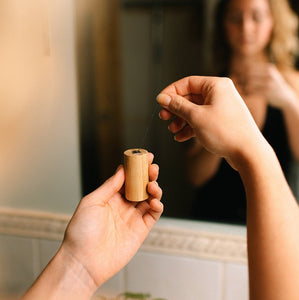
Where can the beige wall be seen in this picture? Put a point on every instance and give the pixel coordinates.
(39, 149)
(39, 159)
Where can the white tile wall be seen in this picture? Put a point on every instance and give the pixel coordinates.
(16, 265)
(173, 277)
(236, 282)
(113, 287)
(47, 251)
(163, 276)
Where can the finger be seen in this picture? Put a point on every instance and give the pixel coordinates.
(156, 206)
(176, 104)
(177, 125)
(151, 209)
(197, 85)
(150, 157)
(142, 207)
(153, 214)
(154, 190)
(109, 188)
(185, 134)
(153, 172)
(165, 115)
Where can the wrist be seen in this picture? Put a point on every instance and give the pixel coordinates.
(63, 278)
(73, 275)
(251, 156)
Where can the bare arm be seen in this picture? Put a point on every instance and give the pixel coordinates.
(273, 214)
(103, 235)
(272, 228)
(63, 278)
(202, 165)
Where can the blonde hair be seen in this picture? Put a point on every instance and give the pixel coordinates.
(284, 44)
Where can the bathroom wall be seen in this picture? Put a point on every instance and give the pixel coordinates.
(40, 169)
(187, 260)
(176, 277)
(179, 259)
(39, 146)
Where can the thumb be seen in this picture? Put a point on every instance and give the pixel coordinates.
(110, 187)
(177, 105)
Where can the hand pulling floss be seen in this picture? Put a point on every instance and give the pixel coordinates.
(136, 174)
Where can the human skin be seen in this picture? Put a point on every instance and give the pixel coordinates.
(248, 26)
(104, 233)
(209, 108)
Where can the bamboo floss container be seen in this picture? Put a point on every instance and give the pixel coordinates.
(136, 174)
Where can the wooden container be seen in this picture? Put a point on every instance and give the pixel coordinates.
(136, 172)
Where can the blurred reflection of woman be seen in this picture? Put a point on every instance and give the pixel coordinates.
(255, 45)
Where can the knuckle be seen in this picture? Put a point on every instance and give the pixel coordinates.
(193, 116)
(225, 82)
(177, 104)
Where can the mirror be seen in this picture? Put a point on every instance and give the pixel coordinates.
(128, 51)
(115, 60)
(136, 48)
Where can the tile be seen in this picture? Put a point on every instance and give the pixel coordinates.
(47, 251)
(236, 282)
(16, 261)
(174, 277)
(113, 287)
(36, 268)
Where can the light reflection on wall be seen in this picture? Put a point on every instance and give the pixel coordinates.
(38, 112)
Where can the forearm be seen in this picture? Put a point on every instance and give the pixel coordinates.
(202, 165)
(63, 278)
(272, 228)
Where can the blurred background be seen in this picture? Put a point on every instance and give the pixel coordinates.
(78, 82)
(128, 51)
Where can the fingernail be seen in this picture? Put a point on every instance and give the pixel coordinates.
(163, 99)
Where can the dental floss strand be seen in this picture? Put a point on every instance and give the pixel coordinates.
(154, 112)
